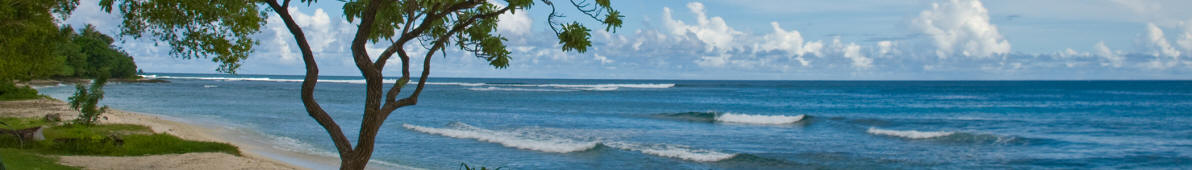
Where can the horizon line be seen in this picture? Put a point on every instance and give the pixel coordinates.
(544, 78)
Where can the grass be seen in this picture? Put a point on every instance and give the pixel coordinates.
(22, 159)
(95, 140)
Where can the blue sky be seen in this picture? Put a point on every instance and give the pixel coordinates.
(776, 40)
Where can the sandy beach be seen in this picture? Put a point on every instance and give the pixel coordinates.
(255, 155)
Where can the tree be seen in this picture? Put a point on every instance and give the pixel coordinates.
(221, 29)
(29, 37)
(86, 101)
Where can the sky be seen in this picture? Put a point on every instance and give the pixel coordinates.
(768, 40)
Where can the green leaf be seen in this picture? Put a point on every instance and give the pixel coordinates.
(575, 37)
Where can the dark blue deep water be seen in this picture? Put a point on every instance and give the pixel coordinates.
(680, 124)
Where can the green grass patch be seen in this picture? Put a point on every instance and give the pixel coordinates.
(23, 159)
(98, 140)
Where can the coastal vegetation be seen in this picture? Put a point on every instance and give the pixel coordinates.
(62, 138)
(35, 47)
(222, 31)
(86, 101)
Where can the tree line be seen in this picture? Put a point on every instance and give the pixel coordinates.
(34, 46)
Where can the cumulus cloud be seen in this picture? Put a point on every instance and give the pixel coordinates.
(789, 41)
(323, 35)
(1114, 59)
(713, 31)
(961, 27)
(1166, 56)
(516, 24)
(1157, 42)
(1185, 38)
(886, 48)
(602, 59)
(852, 52)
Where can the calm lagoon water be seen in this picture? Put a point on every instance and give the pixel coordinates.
(681, 124)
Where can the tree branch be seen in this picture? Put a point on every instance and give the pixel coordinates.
(392, 105)
(310, 80)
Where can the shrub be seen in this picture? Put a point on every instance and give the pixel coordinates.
(85, 100)
(9, 91)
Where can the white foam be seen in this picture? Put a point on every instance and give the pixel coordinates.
(536, 142)
(674, 151)
(210, 86)
(758, 119)
(295, 145)
(453, 84)
(605, 86)
(909, 134)
(513, 89)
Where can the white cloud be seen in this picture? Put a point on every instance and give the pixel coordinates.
(602, 59)
(713, 31)
(1158, 42)
(1185, 38)
(1069, 53)
(852, 51)
(516, 24)
(282, 42)
(1112, 58)
(323, 35)
(886, 48)
(961, 27)
(1166, 56)
(713, 61)
(789, 41)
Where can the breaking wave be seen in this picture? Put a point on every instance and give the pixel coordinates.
(758, 119)
(960, 137)
(556, 144)
(733, 118)
(674, 151)
(909, 134)
(515, 89)
(543, 143)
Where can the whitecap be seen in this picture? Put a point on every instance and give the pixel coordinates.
(909, 134)
(454, 84)
(536, 142)
(607, 86)
(674, 151)
(210, 86)
(758, 119)
(544, 142)
(515, 89)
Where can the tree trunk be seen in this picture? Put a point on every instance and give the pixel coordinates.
(353, 161)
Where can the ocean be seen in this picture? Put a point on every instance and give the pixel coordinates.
(708, 124)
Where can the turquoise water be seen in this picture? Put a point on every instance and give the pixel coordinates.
(680, 124)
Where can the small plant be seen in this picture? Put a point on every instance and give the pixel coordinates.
(464, 166)
(85, 101)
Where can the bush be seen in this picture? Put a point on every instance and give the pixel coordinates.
(9, 91)
(85, 100)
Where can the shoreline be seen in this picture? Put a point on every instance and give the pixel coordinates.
(253, 145)
(253, 155)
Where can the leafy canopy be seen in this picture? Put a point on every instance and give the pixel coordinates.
(222, 29)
